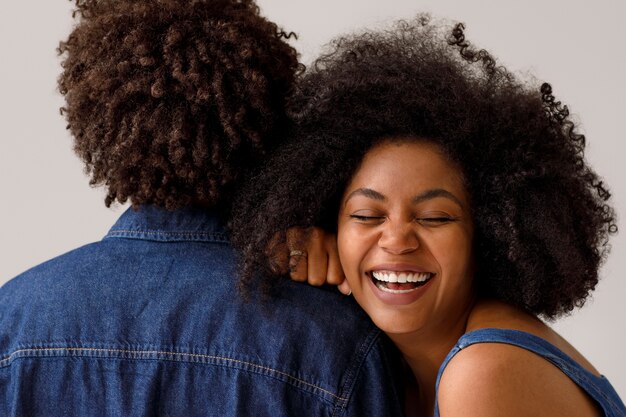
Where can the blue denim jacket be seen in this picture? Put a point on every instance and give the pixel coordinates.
(148, 322)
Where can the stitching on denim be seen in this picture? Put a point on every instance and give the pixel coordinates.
(6, 360)
(159, 232)
(123, 232)
(352, 377)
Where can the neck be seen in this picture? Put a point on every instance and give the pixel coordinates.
(424, 351)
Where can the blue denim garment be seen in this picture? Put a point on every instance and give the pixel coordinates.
(596, 387)
(148, 322)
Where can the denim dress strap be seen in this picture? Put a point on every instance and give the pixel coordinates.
(597, 387)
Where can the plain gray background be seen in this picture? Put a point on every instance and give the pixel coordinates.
(47, 207)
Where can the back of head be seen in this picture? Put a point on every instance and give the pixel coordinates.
(170, 100)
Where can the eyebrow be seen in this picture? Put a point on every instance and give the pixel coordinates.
(366, 192)
(426, 195)
(434, 193)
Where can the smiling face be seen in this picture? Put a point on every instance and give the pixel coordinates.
(405, 238)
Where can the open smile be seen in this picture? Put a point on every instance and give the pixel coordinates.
(395, 282)
(399, 285)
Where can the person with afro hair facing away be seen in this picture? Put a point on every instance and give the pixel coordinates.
(171, 103)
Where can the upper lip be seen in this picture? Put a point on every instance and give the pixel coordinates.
(399, 268)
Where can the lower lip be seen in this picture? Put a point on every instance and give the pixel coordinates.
(399, 299)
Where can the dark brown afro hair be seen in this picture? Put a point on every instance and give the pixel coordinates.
(541, 216)
(170, 100)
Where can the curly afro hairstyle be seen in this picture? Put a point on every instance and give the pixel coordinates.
(541, 216)
(170, 100)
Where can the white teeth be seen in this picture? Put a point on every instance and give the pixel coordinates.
(381, 287)
(402, 277)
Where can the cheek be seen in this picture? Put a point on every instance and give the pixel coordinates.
(351, 253)
(345, 252)
(454, 254)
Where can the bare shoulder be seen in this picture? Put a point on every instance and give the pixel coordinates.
(492, 379)
(496, 314)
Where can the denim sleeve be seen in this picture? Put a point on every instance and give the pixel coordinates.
(378, 388)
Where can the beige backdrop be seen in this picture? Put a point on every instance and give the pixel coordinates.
(47, 208)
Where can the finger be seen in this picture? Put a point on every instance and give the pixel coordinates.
(344, 288)
(298, 267)
(334, 275)
(298, 263)
(317, 257)
(278, 254)
(296, 238)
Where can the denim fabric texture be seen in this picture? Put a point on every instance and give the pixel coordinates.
(596, 387)
(149, 322)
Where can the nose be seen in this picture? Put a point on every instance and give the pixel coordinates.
(398, 238)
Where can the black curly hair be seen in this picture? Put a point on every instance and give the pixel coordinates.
(541, 216)
(170, 100)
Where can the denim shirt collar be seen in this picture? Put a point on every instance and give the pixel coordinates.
(157, 224)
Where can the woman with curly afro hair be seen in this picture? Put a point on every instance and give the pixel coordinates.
(464, 212)
(169, 100)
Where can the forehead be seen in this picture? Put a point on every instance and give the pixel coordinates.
(407, 164)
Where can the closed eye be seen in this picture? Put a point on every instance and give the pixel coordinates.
(432, 221)
(365, 219)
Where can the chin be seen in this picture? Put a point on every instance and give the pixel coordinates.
(395, 322)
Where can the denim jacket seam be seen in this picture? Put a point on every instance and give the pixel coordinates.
(178, 356)
(168, 235)
(354, 370)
